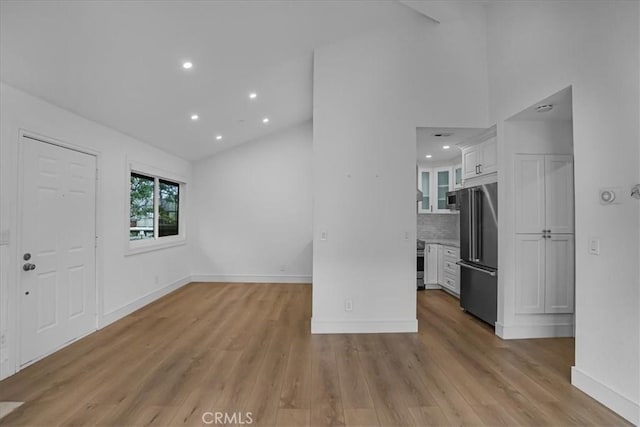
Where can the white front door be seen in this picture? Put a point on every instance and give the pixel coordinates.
(57, 283)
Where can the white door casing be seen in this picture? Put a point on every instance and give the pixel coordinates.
(58, 229)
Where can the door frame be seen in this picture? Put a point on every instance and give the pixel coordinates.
(98, 247)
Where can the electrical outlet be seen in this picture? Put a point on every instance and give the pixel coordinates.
(283, 267)
(348, 305)
(324, 235)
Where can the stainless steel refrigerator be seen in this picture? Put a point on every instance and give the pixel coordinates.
(479, 251)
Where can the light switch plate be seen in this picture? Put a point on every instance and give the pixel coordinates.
(4, 237)
(594, 246)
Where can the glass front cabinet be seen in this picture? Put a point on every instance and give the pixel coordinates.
(434, 184)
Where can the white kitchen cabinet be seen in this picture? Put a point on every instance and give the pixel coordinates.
(450, 279)
(440, 264)
(559, 277)
(434, 184)
(544, 273)
(457, 177)
(544, 193)
(480, 159)
(431, 264)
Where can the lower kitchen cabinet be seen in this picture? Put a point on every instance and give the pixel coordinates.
(544, 273)
(441, 268)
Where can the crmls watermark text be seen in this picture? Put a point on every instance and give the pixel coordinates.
(227, 418)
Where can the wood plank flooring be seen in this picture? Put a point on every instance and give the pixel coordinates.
(239, 348)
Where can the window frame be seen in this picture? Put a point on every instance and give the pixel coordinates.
(157, 242)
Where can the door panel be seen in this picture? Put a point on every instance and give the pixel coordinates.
(559, 292)
(559, 193)
(530, 193)
(530, 273)
(58, 231)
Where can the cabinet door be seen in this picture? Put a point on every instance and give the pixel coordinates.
(559, 278)
(440, 264)
(457, 177)
(488, 158)
(443, 184)
(530, 273)
(559, 193)
(424, 185)
(530, 193)
(469, 162)
(431, 273)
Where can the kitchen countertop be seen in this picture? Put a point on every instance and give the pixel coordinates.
(445, 242)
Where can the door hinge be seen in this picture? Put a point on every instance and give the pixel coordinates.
(96, 242)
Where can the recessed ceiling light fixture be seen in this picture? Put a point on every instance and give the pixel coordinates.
(187, 65)
(428, 156)
(446, 147)
(194, 117)
(253, 95)
(544, 108)
(218, 137)
(265, 120)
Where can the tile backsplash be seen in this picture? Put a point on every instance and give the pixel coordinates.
(438, 227)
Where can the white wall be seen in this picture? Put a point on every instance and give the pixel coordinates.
(370, 94)
(535, 50)
(253, 211)
(124, 282)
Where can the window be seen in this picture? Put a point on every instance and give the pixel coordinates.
(155, 219)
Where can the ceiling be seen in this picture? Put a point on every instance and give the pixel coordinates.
(562, 108)
(428, 143)
(120, 63)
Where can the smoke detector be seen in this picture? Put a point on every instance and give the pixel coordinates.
(544, 108)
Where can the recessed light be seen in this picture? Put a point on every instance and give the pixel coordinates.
(446, 147)
(544, 108)
(428, 156)
(253, 95)
(194, 117)
(265, 120)
(187, 65)
(218, 137)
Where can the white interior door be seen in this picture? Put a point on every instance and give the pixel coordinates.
(57, 294)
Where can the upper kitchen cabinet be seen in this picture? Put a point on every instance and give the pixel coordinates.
(480, 155)
(544, 193)
(434, 184)
(439, 161)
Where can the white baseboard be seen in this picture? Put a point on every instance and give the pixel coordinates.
(516, 332)
(613, 400)
(249, 278)
(109, 318)
(432, 286)
(363, 326)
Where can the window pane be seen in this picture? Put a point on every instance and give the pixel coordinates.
(168, 208)
(141, 207)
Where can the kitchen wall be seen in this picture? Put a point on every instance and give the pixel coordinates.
(535, 50)
(438, 227)
(370, 95)
(125, 283)
(252, 211)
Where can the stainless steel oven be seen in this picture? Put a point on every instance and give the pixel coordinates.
(420, 259)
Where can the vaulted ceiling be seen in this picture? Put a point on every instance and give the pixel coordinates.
(120, 63)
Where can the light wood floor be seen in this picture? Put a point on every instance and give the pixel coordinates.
(239, 348)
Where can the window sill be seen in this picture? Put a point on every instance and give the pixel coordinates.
(153, 246)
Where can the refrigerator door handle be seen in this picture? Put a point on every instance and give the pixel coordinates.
(478, 227)
(473, 267)
(472, 231)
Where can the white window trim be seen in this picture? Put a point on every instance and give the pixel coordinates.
(141, 246)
